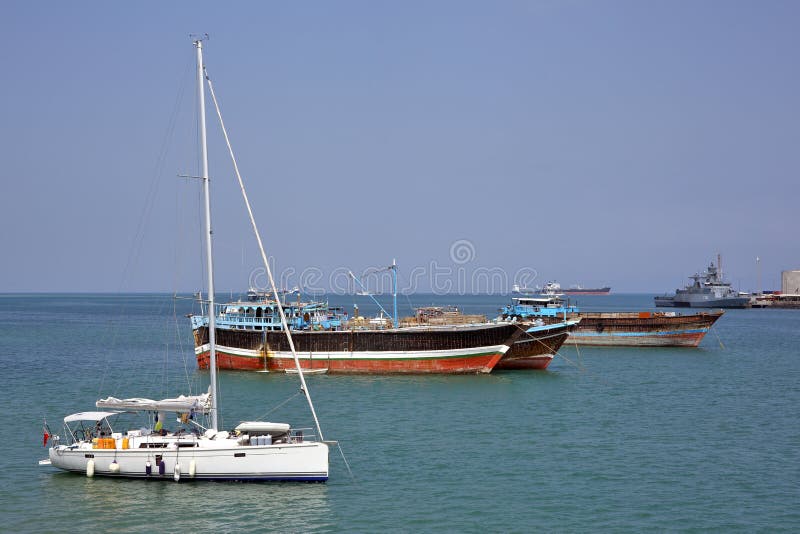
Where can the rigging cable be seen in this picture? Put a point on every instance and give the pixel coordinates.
(278, 406)
(284, 323)
(405, 294)
(135, 250)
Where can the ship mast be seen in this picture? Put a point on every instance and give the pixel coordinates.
(758, 268)
(201, 97)
(393, 267)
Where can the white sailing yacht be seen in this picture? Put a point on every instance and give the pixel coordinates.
(253, 451)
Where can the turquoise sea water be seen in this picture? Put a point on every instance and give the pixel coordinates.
(605, 439)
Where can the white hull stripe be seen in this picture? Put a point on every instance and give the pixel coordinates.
(639, 334)
(229, 350)
(365, 355)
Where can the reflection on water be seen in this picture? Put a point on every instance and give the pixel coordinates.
(130, 505)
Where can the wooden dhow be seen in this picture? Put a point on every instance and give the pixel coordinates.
(618, 329)
(353, 345)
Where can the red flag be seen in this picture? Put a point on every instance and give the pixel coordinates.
(45, 437)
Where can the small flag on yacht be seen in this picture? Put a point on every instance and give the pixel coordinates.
(45, 437)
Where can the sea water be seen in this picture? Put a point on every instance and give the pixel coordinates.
(619, 439)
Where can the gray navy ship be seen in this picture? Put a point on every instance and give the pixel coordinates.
(708, 290)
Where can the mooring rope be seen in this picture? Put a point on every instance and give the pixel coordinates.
(346, 464)
(557, 353)
(338, 445)
(721, 345)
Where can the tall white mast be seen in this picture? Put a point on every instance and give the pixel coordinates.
(201, 98)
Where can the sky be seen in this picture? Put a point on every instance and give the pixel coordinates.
(479, 143)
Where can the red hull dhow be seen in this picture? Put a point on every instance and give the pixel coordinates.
(642, 329)
(617, 329)
(535, 349)
(451, 349)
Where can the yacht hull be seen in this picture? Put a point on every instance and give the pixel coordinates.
(306, 462)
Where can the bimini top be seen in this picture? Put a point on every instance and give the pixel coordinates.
(88, 416)
(183, 403)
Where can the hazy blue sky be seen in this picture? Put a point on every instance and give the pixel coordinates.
(618, 142)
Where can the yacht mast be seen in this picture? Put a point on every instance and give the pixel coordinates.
(201, 98)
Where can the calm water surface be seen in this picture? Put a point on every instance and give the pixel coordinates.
(606, 439)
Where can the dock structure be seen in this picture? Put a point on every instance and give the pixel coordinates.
(788, 297)
(790, 283)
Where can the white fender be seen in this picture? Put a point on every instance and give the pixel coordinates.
(176, 473)
(114, 468)
(192, 469)
(90, 468)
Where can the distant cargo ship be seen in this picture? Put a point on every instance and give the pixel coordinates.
(578, 290)
(551, 288)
